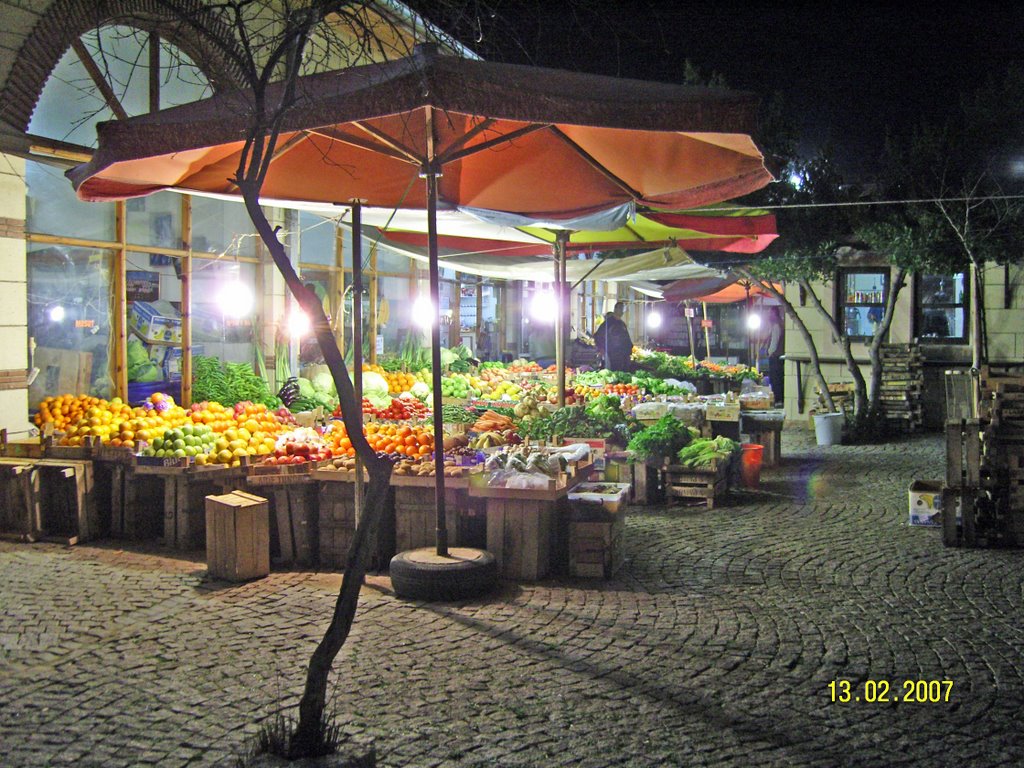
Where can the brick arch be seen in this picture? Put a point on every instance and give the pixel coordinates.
(66, 20)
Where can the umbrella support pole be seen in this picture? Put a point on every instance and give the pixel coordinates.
(707, 331)
(435, 364)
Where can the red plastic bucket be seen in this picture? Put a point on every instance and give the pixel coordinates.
(751, 456)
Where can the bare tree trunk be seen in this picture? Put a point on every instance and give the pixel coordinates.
(812, 348)
(314, 698)
(860, 388)
(874, 351)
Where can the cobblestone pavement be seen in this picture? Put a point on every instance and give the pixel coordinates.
(715, 646)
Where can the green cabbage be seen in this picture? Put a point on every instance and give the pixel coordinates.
(306, 388)
(375, 389)
(420, 390)
(324, 382)
(447, 357)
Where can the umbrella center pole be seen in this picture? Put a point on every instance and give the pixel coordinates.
(435, 362)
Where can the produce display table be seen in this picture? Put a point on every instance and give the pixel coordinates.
(416, 514)
(292, 497)
(522, 530)
(336, 520)
(172, 498)
(20, 517)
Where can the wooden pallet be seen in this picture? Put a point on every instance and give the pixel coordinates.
(596, 547)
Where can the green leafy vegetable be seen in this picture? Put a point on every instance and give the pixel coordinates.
(706, 452)
(661, 440)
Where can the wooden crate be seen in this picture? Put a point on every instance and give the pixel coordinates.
(648, 483)
(685, 483)
(19, 500)
(416, 516)
(295, 516)
(595, 547)
(519, 535)
(67, 504)
(237, 536)
(337, 521)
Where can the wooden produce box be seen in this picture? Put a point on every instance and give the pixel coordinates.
(67, 504)
(686, 483)
(237, 536)
(520, 533)
(596, 527)
(595, 548)
(20, 518)
(295, 515)
(337, 520)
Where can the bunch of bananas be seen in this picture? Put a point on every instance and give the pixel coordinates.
(487, 440)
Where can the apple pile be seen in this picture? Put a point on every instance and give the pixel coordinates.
(298, 447)
(400, 409)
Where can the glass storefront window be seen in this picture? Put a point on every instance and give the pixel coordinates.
(53, 208)
(223, 306)
(69, 317)
(316, 239)
(155, 220)
(222, 227)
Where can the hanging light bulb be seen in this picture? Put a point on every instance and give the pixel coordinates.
(753, 322)
(57, 313)
(654, 319)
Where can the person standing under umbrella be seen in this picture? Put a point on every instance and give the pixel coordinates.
(613, 342)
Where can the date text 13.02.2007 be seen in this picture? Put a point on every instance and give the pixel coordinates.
(884, 692)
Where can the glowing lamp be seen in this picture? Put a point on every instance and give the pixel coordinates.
(235, 300)
(423, 313)
(543, 306)
(298, 323)
(753, 321)
(654, 319)
(56, 313)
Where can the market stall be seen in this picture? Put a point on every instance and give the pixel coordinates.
(502, 433)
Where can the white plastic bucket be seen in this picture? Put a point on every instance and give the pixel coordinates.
(828, 428)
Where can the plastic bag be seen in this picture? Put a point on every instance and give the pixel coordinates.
(572, 452)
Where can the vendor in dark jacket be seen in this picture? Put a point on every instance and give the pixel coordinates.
(612, 340)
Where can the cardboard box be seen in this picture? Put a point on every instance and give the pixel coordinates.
(169, 359)
(725, 412)
(155, 322)
(237, 536)
(926, 503)
(61, 372)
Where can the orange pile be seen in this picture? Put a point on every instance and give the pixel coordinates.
(387, 438)
(399, 438)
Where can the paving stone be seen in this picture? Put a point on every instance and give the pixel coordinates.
(714, 646)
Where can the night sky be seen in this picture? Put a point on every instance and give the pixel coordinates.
(848, 72)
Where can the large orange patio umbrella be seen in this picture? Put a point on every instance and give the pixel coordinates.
(549, 145)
